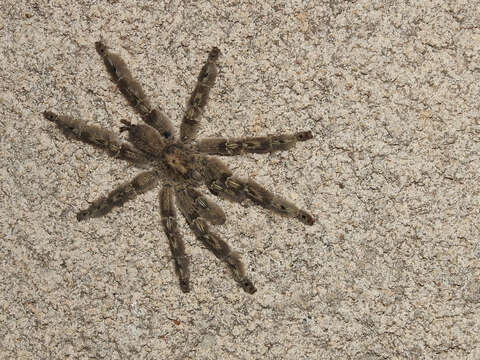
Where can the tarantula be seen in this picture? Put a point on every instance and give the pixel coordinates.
(190, 165)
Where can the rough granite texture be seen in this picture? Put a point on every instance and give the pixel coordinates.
(390, 270)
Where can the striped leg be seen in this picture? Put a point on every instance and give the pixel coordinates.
(177, 246)
(221, 182)
(97, 136)
(199, 98)
(214, 243)
(133, 92)
(258, 145)
(194, 201)
(140, 184)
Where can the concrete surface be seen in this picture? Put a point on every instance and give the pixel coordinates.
(390, 270)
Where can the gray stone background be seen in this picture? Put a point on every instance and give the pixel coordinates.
(390, 270)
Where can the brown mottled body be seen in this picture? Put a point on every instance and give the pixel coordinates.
(258, 145)
(189, 165)
(199, 97)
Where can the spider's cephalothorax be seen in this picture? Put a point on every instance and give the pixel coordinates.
(190, 164)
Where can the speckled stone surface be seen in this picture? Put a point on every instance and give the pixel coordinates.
(390, 270)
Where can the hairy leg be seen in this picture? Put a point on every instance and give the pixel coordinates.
(177, 246)
(144, 137)
(215, 244)
(140, 184)
(259, 145)
(97, 136)
(221, 182)
(194, 201)
(134, 93)
(199, 98)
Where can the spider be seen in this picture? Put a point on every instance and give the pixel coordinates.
(188, 165)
